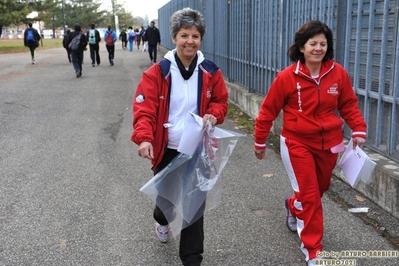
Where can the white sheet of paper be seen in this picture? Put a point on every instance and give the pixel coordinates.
(358, 210)
(192, 135)
(355, 165)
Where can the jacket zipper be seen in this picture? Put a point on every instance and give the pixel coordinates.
(318, 100)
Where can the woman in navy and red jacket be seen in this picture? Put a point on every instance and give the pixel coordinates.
(184, 81)
(309, 92)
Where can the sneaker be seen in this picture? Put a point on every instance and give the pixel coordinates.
(312, 262)
(93, 65)
(78, 74)
(162, 232)
(291, 220)
(33, 61)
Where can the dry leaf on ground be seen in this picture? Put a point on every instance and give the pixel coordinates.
(359, 198)
(267, 175)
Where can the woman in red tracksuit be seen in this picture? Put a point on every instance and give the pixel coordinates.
(184, 81)
(309, 91)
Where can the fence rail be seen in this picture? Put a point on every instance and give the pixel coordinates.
(248, 40)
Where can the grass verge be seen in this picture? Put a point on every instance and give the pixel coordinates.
(17, 45)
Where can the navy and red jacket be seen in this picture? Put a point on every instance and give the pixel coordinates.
(151, 103)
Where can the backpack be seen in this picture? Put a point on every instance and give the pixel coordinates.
(109, 40)
(75, 43)
(92, 37)
(30, 36)
(132, 35)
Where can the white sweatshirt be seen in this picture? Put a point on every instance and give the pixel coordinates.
(183, 99)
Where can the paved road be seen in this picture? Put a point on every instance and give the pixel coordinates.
(70, 179)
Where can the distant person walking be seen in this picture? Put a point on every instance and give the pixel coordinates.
(110, 39)
(31, 40)
(153, 38)
(136, 40)
(123, 38)
(131, 35)
(139, 37)
(65, 44)
(77, 43)
(93, 37)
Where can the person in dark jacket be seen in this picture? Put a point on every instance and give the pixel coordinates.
(153, 38)
(77, 55)
(93, 38)
(123, 38)
(65, 44)
(140, 37)
(31, 40)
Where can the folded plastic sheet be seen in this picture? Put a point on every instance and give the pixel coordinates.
(191, 185)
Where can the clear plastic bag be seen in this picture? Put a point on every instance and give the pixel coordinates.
(191, 185)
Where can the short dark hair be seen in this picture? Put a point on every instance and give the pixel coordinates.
(77, 27)
(30, 24)
(304, 33)
(93, 25)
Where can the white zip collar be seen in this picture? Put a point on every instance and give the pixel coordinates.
(297, 71)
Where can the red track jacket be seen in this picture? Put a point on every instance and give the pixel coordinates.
(309, 106)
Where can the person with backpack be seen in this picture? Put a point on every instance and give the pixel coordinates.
(93, 37)
(153, 38)
(110, 39)
(77, 43)
(182, 81)
(123, 38)
(131, 35)
(65, 44)
(31, 40)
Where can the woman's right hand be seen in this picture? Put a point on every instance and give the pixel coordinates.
(145, 150)
(260, 154)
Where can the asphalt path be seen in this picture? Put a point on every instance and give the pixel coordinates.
(70, 179)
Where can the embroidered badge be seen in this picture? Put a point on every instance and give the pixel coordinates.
(209, 92)
(298, 87)
(140, 98)
(333, 90)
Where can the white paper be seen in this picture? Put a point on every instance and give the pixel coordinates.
(192, 134)
(358, 210)
(356, 165)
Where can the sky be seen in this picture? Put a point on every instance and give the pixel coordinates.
(140, 8)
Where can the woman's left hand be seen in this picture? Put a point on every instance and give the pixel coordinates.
(211, 118)
(359, 141)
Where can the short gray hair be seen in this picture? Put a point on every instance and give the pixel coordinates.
(186, 18)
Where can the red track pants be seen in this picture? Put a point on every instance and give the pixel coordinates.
(309, 171)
